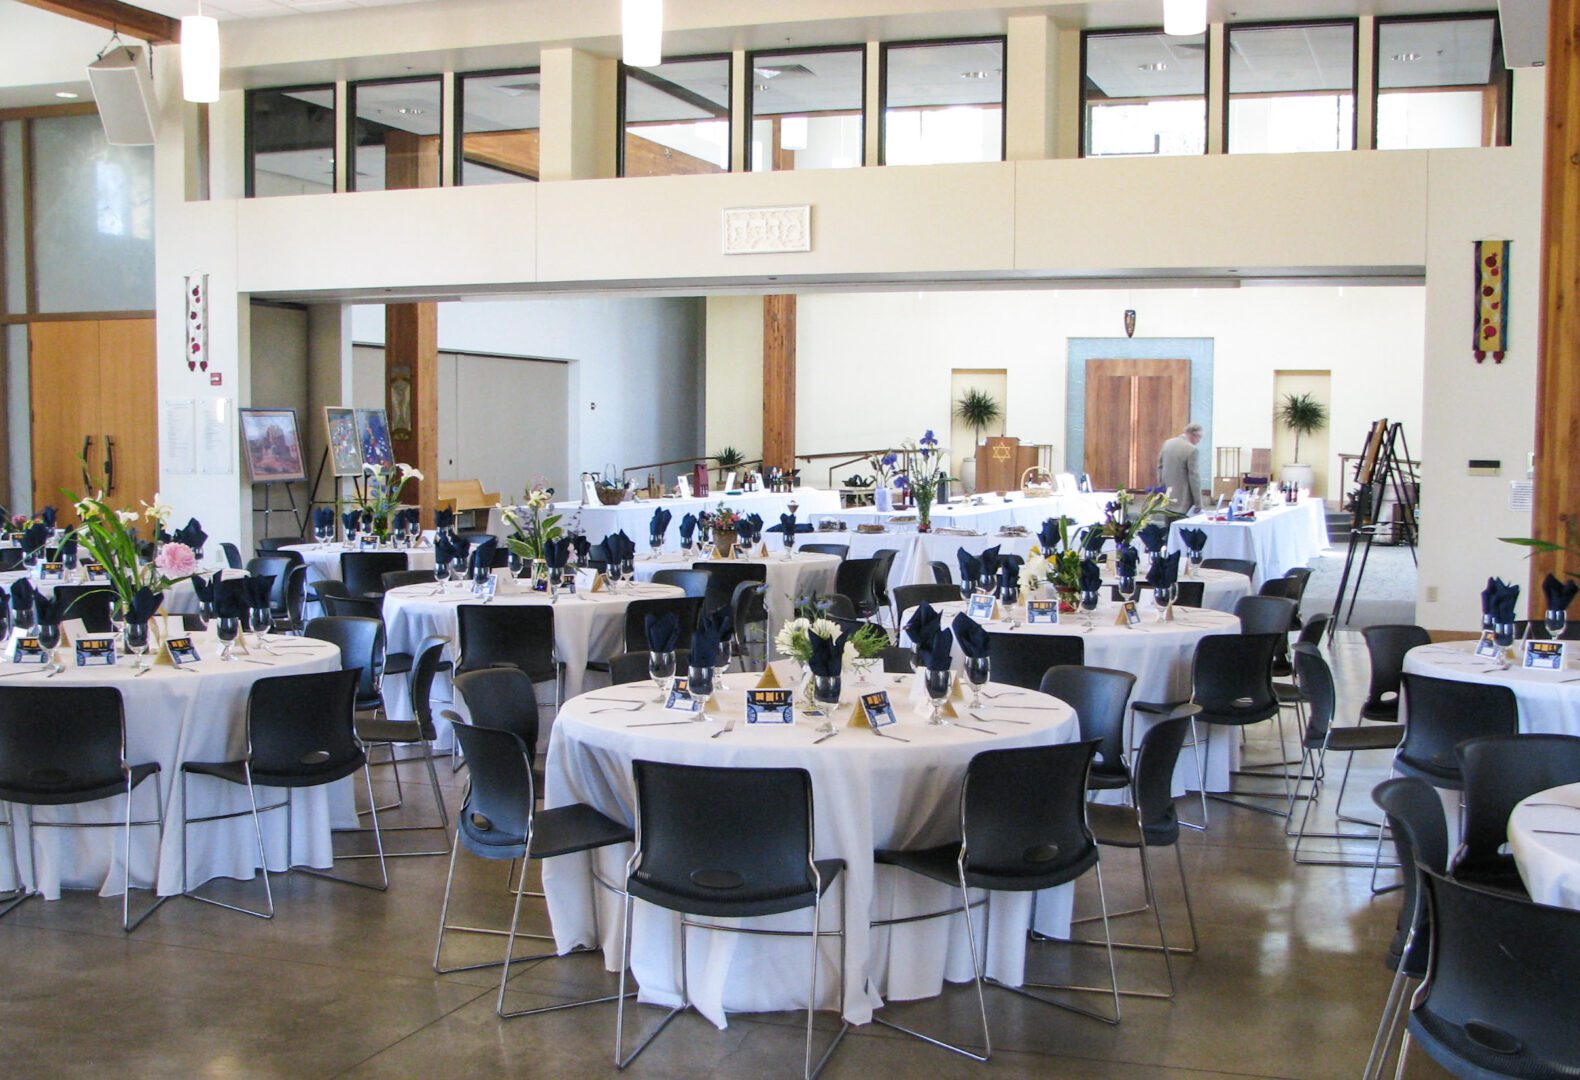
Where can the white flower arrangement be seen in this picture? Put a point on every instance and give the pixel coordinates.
(158, 510)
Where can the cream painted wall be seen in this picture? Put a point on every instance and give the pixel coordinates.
(279, 380)
(733, 409)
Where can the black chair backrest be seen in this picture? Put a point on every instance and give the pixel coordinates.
(232, 554)
(296, 596)
(363, 571)
(1238, 566)
(884, 558)
(59, 740)
(857, 579)
(693, 582)
(1098, 696)
(1314, 629)
(750, 606)
(361, 644)
(1442, 713)
(330, 587)
(1385, 647)
(907, 597)
(518, 635)
(1190, 593)
(1499, 771)
(1023, 659)
(396, 579)
(1232, 675)
(942, 575)
(1265, 614)
(1420, 835)
(1301, 576)
(631, 667)
(496, 815)
(11, 558)
(424, 667)
(684, 608)
(1314, 679)
(722, 838)
(836, 606)
(1500, 994)
(898, 660)
(503, 698)
(360, 607)
(300, 728)
(724, 575)
(1153, 780)
(842, 550)
(278, 568)
(270, 544)
(90, 603)
(1023, 814)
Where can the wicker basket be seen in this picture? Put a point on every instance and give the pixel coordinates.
(610, 496)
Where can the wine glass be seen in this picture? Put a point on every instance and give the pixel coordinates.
(441, 572)
(614, 572)
(1196, 558)
(685, 547)
(655, 542)
(967, 587)
(457, 569)
(135, 635)
(68, 558)
(938, 683)
(825, 691)
(789, 544)
(414, 530)
(628, 571)
(1556, 621)
(699, 684)
(49, 638)
(977, 671)
(726, 651)
(1128, 588)
(1162, 596)
(226, 629)
(661, 669)
(1088, 603)
(262, 620)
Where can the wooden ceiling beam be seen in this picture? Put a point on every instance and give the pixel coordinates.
(149, 26)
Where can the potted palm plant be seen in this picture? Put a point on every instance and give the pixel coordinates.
(976, 409)
(727, 459)
(1302, 414)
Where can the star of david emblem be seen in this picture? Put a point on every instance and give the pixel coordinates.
(1001, 453)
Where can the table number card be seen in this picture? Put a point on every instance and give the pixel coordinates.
(181, 651)
(1042, 611)
(96, 652)
(878, 709)
(367, 542)
(1487, 645)
(680, 699)
(1129, 614)
(94, 573)
(1544, 656)
(980, 607)
(770, 707)
(29, 651)
(52, 571)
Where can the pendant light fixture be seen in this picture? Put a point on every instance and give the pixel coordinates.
(199, 57)
(1184, 18)
(642, 32)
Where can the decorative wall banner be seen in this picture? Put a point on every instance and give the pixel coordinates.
(1492, 300)
(1130, 322)
(197, 322)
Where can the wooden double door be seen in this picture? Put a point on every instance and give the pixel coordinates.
(95, 422)
(1132, 408)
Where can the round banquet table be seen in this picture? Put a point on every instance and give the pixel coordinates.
(1549, 703)
(180, 600)
(805, 573)
(869, 792)
(1549, 860)
(175, 715)
(323, 560)
(1158, 654)
(1221, 589)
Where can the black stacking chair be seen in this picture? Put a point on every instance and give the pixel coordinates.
(898, 660)
(686, 610)
(399, 579)
(907, 597)
(856, 578)
(724, 576)
(363, 571)
(1022, 659)
(359, 606)
(325, 588)
(884, 558)
(1300, 576)
(842, 550)
(833, 605)
(1311, 633)
(288, 590)
(300, 733)
(694, 581)
(1232, 681)
(1499, 771)
(942, 575)
(1498, 1000)
(1024, 829)
(1238, 566)
(232, 554)
(1189, 594)
(377, 728)
(750, 605)
(1315, 681)
(733, 843)
(1265, 614)
(271, 544)
(1420, 835)
(1386, 647)
(66, 746)
(1098, 696)
(361, 644)
(510, 635)
(90, 603)
(499, 820)
(11, 558)
(1150, 821)
(500, 697)
(631, 667)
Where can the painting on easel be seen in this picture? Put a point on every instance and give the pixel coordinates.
(345, 445)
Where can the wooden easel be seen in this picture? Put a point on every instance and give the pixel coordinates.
(1385, 466)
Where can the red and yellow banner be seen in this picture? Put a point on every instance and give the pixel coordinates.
(1492, 292)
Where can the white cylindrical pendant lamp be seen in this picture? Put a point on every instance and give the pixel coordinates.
(199, 58)
(1184, 18)
(642, 32)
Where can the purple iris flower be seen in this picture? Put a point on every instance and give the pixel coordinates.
(929, 439)
(901, 482)
(889, 460)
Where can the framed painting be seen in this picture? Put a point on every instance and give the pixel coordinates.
(373, 431)
(271, 446)
(345, 445)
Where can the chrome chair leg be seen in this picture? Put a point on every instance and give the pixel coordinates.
(378, 841)
(1386, 1024)
(625, 966)
(257, 827)
(126, 864)
(977, 981)
(438, 800)
(20, 894)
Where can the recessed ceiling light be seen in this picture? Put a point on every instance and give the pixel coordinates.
(1157, 66)
(761, 87)
(976, 74)
(409, 112)
(67, 94)
(1406, 57)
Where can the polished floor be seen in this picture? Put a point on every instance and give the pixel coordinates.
(1288, 983)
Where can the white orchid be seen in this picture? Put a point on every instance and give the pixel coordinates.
(128, 517)
(158, 510)
(408, 473)
(1033, 572)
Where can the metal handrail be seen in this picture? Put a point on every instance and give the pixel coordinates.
(624, 473)
(846, 459)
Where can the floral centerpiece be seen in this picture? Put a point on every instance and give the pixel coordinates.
(924, 472)
(1059, 566)
(1122, 518)
(863, 647)
(108, 537)
(532, 522)
(883, 466)
(381, 497)
(725, 525)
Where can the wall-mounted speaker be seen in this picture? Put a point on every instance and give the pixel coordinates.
(124, 91)
(1524, 26)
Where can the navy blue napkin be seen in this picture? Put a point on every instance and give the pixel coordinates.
(145, 603)
(1164, 572)
(973, 639)
(68, 549)
(205, 589)
(323, 517)
(1153, 537)
(660, 523)
(557, 552)
(36, 536)
(582, 545)
(1195, 539)
(970, 567)
(258, 590)
(1094, 539)
(44, 607)
(936, 654)
(754, 530)
(444, 519)
(460, 548)
(827, 654)
(47, 516)
(1505, 598)
(483, 555)
(619, 546)
(230, 598)
(923, 625)
(191, 534)
(787, 524)
(22, 597)
(989, 560)
(443, 550)
(352, 520)
(1129, 561)
(705, 639)
(663, 632)
(688, 528)
(1091, 576)
(1008, 579)
(1559, 594)
(1048, 536)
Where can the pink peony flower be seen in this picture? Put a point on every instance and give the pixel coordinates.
(176, 561)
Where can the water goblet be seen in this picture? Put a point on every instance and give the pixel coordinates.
(825, 691)
(1196, 558)
(457, 570)
(49, 638)
(661, 669)
(226, 629)
(789, 545)
(938, 683)
(977, 671)
(685, 548)
(967, 588)
(1556, 621)
(656, 544)
(614, 573)
(699, 684)
(262, 621)
(726, 651)
(135, 635)
(1162, 596)
(1089, 603)
(1128, 588)
(441, 573)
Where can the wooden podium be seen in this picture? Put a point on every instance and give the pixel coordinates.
(1001, 462)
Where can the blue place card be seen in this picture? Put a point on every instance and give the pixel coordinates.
(96, 652)
(770, 706)
(29, 651)
(1042, 611)
(1131, 613)
(182, 651)
(877, 708)
(52, 571)
(94, 572)
(1487, 645)
(680, 699)
(1543, 656)
(367, 542)
(980, 606)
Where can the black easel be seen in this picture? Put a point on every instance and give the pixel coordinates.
(1392, 470)
(268, 507)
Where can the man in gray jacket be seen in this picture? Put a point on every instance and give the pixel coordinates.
(1178, 472)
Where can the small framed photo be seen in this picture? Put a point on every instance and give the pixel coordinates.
(271, 445)
(345, 445)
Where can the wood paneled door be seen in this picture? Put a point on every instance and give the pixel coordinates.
(1132, 408)
(92, 388)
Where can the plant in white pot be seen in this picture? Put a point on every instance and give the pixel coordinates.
(976, 409)
(1304, 415)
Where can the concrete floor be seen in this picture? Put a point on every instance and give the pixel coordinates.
(1288, 983)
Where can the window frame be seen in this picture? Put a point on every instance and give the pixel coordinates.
(249, 157)
(1206, 82)
(350, 123)
(457, 113)
(916, 43)
(751, 67)
(1353, 22)
(622, 72)
(1505, 121)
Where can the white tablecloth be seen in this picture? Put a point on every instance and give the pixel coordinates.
(1548, 704)
(180, 600)
(992, 513)
(175, 716)
(1278, 540)
(788, 579)
(323, 561)
(869, 792)
(636, 517)
(1158, 654)
(1549, 863)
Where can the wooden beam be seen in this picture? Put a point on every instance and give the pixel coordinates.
(411, 394)
(1558, 373)
(515, 152)
(150, 26)
(680, 93)
(644, 157)
(779, 381)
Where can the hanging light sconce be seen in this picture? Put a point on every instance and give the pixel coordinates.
(199, 57)
(1184, 18)
(642, 32)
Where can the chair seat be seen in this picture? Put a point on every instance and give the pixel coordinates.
(1451, 1046)
(940, 864)
(1387, 710)
(398, 663)
(381, 729)
(1498, 872)
(311, 775)
(577, 827)
(1107, 778)
(717, 902)
(44, 791)
(1371, 737)
(1440, 771)
(1237, 717)
(1116, 826)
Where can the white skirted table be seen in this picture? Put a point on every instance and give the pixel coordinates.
(197, 713)
(1549, 704)
(1544, 835)
(1278, 540)
(323, 560)
(982, 513)
(180, 600)
(869, 792)
(803, 574)
(635, 517)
